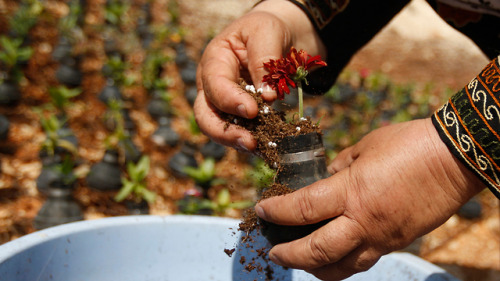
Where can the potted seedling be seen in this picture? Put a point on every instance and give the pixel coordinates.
(134, 189)
(59, 144)
(115, 12)
(24, 18)
(159, 105)
(183, 158)
(165, 135)
(195, 204)
(60, 206)
(122, 127)
(293, 147)
(69, 32)
(204, 175)
(114, 71)
(12, 54)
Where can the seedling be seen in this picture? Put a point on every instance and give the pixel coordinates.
(151, 71)
(261, 175)
(11, 55)
(135, 185)
(69, 23)
(204, 175)
(51, 126)
(115, 11)
(223, 203)
(115, 69)
(25, 17)
(61, 96)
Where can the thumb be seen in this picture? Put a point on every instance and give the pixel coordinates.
(322, 200)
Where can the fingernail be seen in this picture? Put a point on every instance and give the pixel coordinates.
(275, 259)
(267, 91)
(260, 212)
(242, 111)
(241, 144)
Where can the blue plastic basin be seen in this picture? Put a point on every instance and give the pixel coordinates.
(179, 248)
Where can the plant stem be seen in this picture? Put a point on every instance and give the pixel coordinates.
(301, 99)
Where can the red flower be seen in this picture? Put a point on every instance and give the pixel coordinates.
(288, 70)
(278, 77)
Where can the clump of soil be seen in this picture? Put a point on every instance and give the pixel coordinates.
(268, 128)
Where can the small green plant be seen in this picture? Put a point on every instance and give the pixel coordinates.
(261, 175)
(11, 55)
(25, 17)
(220, 206)
(204, 175)
(193, 125)
(66, 170)
(51, 126)
(151, 71)
(115, 11)
(61, 96)
(115, 69)
(114, 115)
(223, 203)
(69, 23)
(135, 185)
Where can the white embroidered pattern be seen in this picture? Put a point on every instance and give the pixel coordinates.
(467, 145)
(477, 96)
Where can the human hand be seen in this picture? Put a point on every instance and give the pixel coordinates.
(240, 50)
(398, 183)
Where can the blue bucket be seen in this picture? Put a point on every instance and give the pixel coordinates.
(157, 248)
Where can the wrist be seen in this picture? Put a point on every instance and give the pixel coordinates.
(463, 183)
(303, 33)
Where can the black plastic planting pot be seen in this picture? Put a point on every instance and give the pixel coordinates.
(106, 175)
(59, 208)
(303, 162)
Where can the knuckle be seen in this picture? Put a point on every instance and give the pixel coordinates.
(306, 212)
(319, 254)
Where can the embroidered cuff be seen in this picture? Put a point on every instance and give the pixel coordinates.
(469, 124)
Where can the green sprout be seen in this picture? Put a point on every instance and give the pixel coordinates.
(220, 206)
(61, 95)
(151, 71)
(204, 175)
(115, 116)
(261, 175)
(135, 185)
(193, 125)
(223, 203)
(25, 17)
(12, 54)
(51, 126)
(115, 11)
(68, 24)
(115, 69)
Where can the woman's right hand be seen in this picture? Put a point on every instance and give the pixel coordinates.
(240, 50)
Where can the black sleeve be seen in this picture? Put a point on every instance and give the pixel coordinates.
(344, 27)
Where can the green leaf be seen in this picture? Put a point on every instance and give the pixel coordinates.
(148, 195)
(241, 204)
(125, 191)
(223, 198)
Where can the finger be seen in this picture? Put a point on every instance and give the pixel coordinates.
(218, 74)
(322, 200)
(274, 41)
(210, 124)
(343, 160)
(361, 259)
(327, 245)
